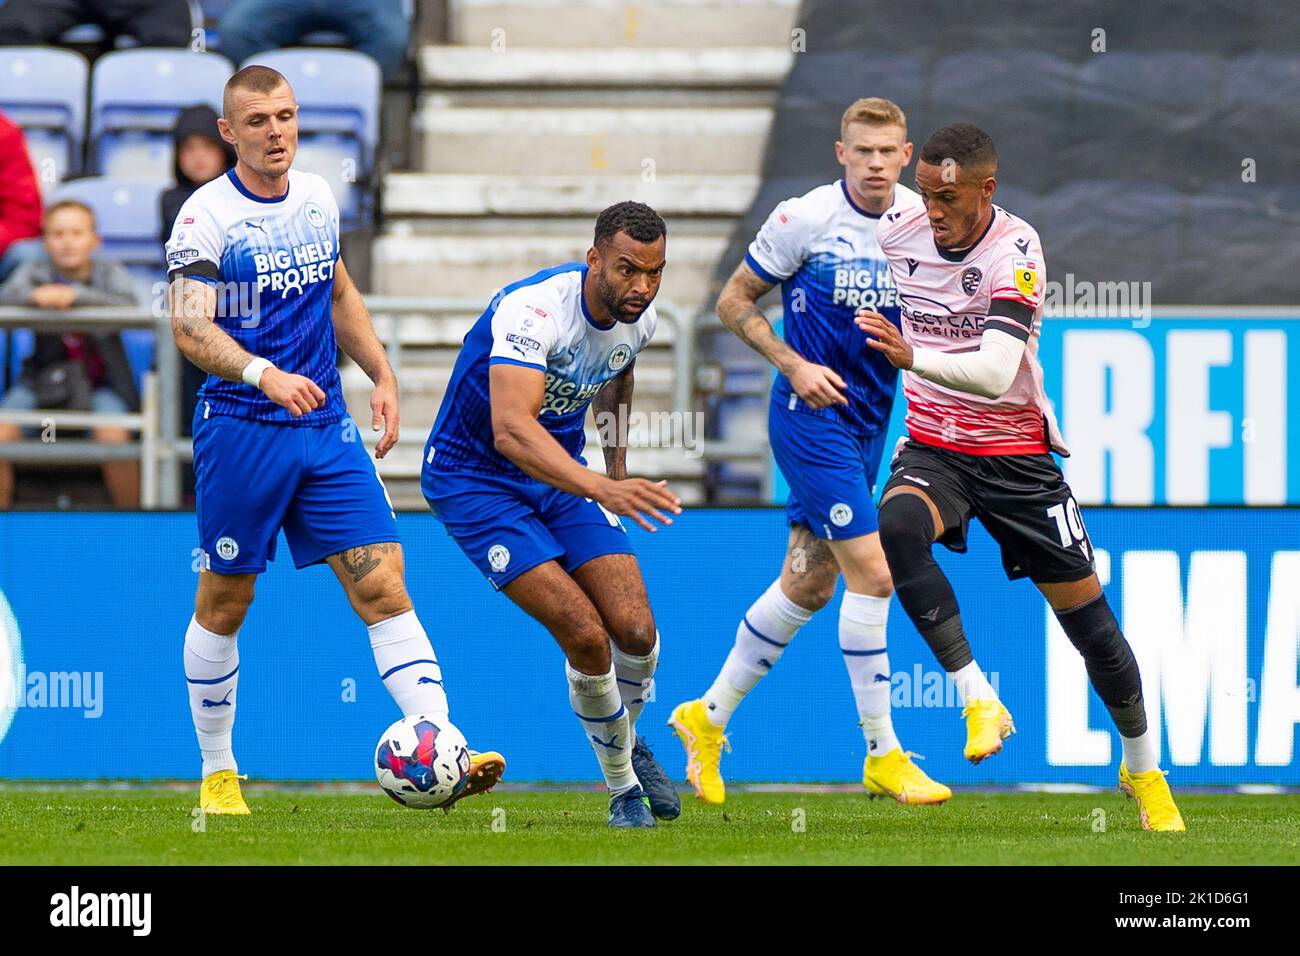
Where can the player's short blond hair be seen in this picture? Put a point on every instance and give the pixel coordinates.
(256, 78)
(873, 111)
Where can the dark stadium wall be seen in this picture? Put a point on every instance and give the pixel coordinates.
(1155, 141)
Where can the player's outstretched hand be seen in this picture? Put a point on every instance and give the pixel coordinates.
(637, 497)
(297, 393)
(818, 386)
(383, 414)
(885, 337)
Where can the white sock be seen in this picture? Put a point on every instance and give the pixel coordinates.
(635, 677)
(767, 627)
(862, 642)
(1139, 753)
(972, 685)
(596, 702)
(407, 665)
(212, 676)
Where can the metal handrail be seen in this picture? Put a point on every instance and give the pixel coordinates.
(162, 448)
(154, 418)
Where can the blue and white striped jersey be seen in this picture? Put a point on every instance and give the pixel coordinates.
(272, 262)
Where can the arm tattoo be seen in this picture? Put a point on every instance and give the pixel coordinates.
(738, 309)
(200, 339)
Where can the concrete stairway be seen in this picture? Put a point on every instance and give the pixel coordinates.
(544, 112)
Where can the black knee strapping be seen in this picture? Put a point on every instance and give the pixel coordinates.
(906, 534)
(1112, 668)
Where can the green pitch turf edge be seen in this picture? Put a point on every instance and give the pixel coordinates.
(160, 826)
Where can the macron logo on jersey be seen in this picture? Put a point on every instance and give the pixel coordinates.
(288, 270)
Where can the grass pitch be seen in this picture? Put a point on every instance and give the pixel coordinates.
(107, 825)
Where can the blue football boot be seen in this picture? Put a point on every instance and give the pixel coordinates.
(664, 802)
(630, 809)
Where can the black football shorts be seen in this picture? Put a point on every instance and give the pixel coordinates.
(1022, 501)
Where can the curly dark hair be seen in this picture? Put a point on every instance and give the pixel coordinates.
(636, 219)
(966, 145)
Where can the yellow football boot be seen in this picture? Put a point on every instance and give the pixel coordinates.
(988, 723)
(1155, 802)
(485, 772)
(219, 794)
(894, 775)
(703, 743)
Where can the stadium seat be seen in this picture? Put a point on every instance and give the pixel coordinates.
(1147, 115)
(127, 214)
(135, 97)
(1117, 231)
(44, 91)
(1016, 95)
(1259, 117)
(83, 34)
(338, 122)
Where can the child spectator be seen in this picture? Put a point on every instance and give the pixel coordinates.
(74, 370)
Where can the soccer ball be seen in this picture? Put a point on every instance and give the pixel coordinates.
(421, 762)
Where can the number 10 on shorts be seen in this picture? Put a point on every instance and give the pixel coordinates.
(1069, 524)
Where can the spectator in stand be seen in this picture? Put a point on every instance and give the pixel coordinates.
(20, 200)
(70, 370)
(377, 28)
(150, 22)
(200, 155)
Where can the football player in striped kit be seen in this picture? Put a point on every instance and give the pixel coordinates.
(970, 279)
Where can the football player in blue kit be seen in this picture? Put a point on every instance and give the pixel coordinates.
(261, 300)
(504, 473)
(827, 421)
